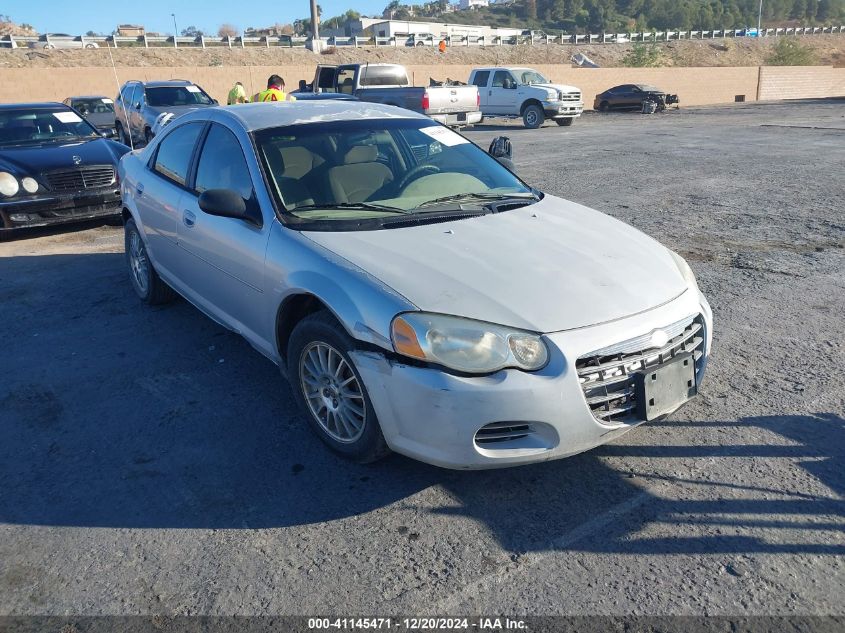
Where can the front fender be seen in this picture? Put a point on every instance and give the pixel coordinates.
(362, 304)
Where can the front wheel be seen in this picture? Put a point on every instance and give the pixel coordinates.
(145, 280)
(330, 391)
(565, 122)
(533, 117)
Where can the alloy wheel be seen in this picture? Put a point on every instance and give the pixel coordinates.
(333, 392)
(139, 263)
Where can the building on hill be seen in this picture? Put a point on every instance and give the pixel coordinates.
(404, 28)
(131, 30)
(473, 4)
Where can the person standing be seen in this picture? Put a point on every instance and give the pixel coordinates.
(237, 94)
(275, 91)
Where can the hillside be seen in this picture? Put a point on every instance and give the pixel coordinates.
(829, 50)
(623, 15)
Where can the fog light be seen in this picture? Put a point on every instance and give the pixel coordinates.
(19, 217)
(30, 185)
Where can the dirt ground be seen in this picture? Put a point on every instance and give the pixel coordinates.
(830, 50)
(152, 463)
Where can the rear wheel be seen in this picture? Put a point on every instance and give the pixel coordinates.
(330, 391)
(145, 280)
(533, 117)
(565, 122)
(604, 106)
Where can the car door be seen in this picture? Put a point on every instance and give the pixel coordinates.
(224, 263)
(502, 99)
(158, 193)
(136, 119)
(481, 79)
(633, 97)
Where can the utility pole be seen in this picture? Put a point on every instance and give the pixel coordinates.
(759, 18)
(175, 29)
(315, 18)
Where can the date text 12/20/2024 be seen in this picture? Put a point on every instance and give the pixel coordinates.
(418, 624)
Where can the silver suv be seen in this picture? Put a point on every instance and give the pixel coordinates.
(140, 103)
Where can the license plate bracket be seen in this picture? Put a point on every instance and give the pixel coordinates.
(661, 390)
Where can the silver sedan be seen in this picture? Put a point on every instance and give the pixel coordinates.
(418, 296)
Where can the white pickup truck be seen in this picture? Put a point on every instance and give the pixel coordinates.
(510, 91)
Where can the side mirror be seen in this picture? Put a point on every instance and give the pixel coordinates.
(501, 150)
(215, 102)
(224, 203)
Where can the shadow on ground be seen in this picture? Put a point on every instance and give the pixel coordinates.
(113, 414)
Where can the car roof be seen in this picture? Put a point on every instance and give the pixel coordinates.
(89, 97)
(259, 116)
(161, 82)
(32, 106)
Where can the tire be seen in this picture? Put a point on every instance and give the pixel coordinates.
(49, 47)
(533, 117)
(604, 106)
(316, 345)
(121, 135)
(565, 122)
(90, 46)
(420, 43)
(145, 280)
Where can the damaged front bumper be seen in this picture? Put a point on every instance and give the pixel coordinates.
(55, 208)
(510, 417)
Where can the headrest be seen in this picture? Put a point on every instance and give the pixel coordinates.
(297, 161)
(361, 154)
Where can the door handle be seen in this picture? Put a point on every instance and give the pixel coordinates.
(188, 218)
(139, 188)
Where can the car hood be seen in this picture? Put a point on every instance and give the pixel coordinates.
(551, 266)
(559, 87)
(32, 158)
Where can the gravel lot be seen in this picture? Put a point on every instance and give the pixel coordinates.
(153, 463)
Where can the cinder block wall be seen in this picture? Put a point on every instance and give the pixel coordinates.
(801, 82)
(695, 86)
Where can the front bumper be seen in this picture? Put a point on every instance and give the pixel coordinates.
(433, 416)
(52, 208)
(454, 119)
(562, 109)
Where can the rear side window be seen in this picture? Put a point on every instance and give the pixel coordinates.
(346, 81)
(383, 76)
(222, 164)
(174, 152)
(481, 78)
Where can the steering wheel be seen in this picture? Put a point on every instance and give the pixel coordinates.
(415, 173)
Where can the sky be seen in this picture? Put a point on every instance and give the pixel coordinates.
(102, 16)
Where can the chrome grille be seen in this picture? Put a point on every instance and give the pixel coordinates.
(570, 96)
(607, 375)
(502, 432)
(81, 178)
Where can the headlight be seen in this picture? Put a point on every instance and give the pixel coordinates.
(466, 345)
(8, 184)
(685, 269)
(30, 185)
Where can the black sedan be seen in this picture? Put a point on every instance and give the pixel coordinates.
(631, 96)
(54, 167)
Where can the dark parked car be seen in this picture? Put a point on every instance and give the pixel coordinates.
(140, 103)
(97, 110)
(631, 96)
(54, 167)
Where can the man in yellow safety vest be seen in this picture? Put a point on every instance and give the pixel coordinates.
(275, 91)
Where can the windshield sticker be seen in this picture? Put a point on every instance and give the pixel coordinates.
(107, 101)
(192, 89)
(67, 117)
(444, 135)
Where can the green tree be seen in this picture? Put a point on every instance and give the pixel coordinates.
(642, 56)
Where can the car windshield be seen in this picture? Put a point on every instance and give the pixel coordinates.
(95, 105)
(166, 96)
(532, 77)
(21, 126)
(381, 170)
